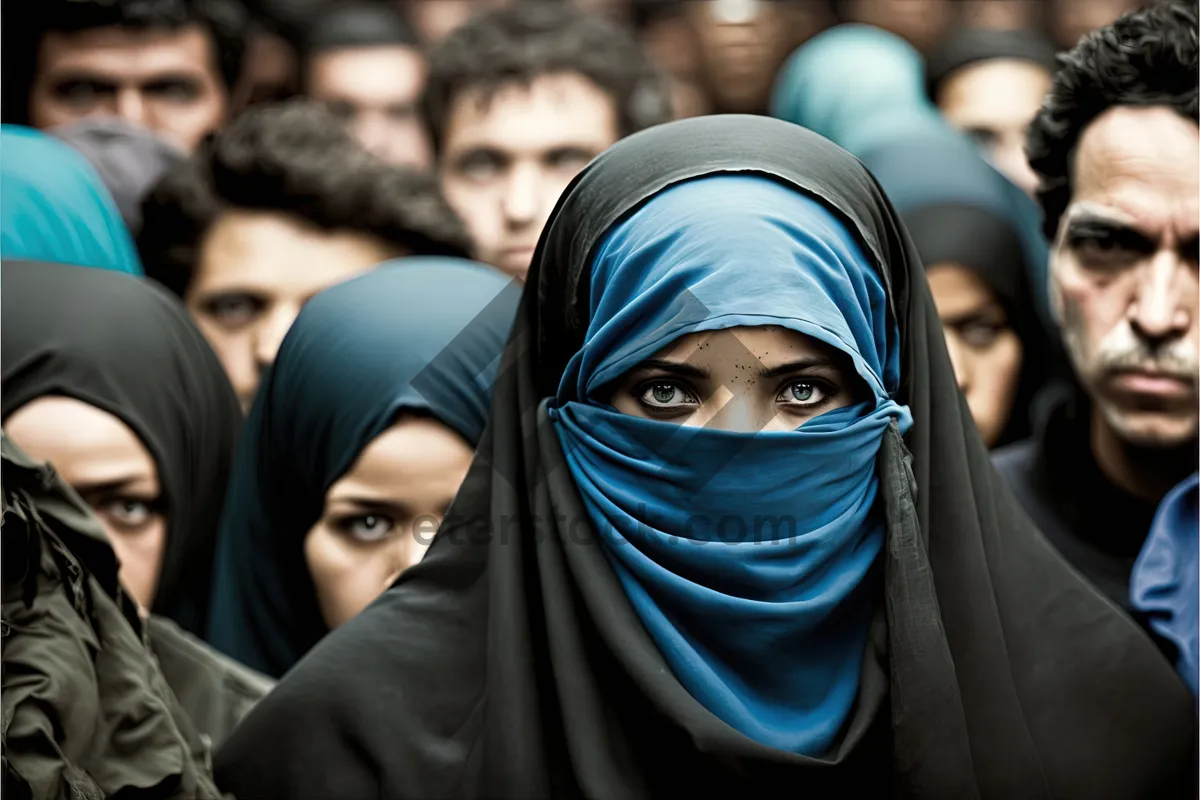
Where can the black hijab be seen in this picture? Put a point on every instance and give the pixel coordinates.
(125, 346)
(984, 242)
(969, 46)
(510, 662)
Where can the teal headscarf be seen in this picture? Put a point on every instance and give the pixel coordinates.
(864, 89)
(857, 86)
(54, 207)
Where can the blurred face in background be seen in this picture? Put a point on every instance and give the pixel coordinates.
(103, 460)
(1123, 273)
(1001, 15)
(270, 72)
(994, 101)
(1070, 20)
(984, 349)
(380, 517)
(256, 271)
(164, 80)
(620, 10)
(377, 91)
(921, 22)
(670, 44)
(433, 19)
(506, 157)
(742, 44)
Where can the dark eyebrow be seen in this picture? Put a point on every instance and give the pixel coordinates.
(480, 151)
(368, 506)
(989, 315)
(1092, 227)
(684, 370)
(106, 487)
(167, 78)
(83, 76)
(815, 362)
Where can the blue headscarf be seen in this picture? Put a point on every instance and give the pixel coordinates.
(864, 89)
(417, 334)
(767, 631)
(54, 207)
(1165, 585)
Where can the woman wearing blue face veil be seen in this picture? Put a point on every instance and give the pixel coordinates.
(730, 532)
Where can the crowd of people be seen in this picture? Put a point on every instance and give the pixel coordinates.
(600, 398)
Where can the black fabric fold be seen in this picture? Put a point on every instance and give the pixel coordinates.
(510, 663)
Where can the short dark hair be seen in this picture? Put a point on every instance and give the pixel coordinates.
(225, 20)
(350, 26)
(296, 158)
(1144, 58)
(519, 43)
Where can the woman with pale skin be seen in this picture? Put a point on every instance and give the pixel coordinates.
(354, 450)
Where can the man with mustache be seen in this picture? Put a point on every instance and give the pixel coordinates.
(1117, 150)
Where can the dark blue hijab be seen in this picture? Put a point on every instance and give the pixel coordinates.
(749, 557)
(418, 334)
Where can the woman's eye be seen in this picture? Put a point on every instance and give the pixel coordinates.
(367, 528)
(981, 336)
(234, 310)
(126, 512)
(804, 393)
(666, 395)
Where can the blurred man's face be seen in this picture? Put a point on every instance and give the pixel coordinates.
(671, 45)
(1070, 20)
(434, 19)
(377, 91)
(921, 22)
(994, 101)
(164, 80)
(1123, 273)
(270, 72)
(506, 158)
(744, 42)
(1003, 15)
(255, 272)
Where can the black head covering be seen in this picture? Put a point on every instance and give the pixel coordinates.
(967, 46)
(510, 663)
(357, 25)
(125, 346)
(984, 242)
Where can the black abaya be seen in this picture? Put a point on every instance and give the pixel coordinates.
(510, 663)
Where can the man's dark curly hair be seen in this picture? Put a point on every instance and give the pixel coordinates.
(298, 159)
(25, 24)
(1145, 58)
(518, 43)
